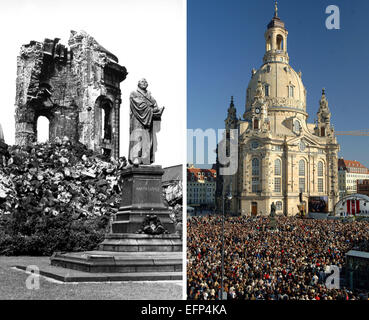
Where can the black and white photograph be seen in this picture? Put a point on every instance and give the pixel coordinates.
(92, 145)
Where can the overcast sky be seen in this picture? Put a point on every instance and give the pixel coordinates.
(148, 37)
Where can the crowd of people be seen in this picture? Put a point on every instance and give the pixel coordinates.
(263, 263)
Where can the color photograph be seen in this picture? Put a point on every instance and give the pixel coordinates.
(277, 157)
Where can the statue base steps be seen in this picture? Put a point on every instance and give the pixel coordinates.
(120, 262)
(141, 243)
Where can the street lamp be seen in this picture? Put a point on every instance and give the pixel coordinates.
(229, 198)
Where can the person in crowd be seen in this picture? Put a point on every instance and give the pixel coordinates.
(288, 264)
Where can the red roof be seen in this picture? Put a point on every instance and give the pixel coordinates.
(351, 165)
(210, 174)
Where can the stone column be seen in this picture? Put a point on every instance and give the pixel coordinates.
(24, 125)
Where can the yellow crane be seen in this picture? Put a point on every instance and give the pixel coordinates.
(362, 132)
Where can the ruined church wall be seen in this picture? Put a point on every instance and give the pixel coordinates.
(67, 85)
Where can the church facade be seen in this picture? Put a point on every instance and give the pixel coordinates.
(282, 159)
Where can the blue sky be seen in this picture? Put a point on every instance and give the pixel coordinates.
(226, 40)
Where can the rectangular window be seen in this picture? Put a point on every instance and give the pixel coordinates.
(255, 170)
(277, 167)
(266, 90)
(255, 185)
(320, 185)
(277, 184)
(302, 184)
(290, 91)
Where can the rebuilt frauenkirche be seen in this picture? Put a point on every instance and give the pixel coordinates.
(282, 159)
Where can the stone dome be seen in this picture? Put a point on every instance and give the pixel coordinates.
(283, 87)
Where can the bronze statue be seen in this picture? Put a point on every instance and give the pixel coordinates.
(145, 117)
(272, 218)
(272, 209)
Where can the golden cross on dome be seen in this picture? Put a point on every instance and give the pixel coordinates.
(276, 9)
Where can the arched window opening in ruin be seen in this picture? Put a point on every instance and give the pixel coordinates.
(103, 123)
(280, 43)
(43, 125)
(106, 120)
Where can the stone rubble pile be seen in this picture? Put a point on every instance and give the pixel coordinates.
(51, 177)
(61, 196)
(173, 195)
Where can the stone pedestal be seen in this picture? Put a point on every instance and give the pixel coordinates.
(142, 196)
(125, 250)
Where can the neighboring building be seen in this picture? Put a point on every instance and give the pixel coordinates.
(76, 87)
(201, 184)
(281, 157)
(363, 187)
(349, 172)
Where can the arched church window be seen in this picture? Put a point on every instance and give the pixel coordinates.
(43, 130)
(277, 173)
(291, 91)
(277, 167)
(255, 180)
(302, 168)
(255, 167)
(266, 90)
(302, 176)
(106, 120)
(320, 176)
(280, 43)
(256, 124)
(320, 169)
